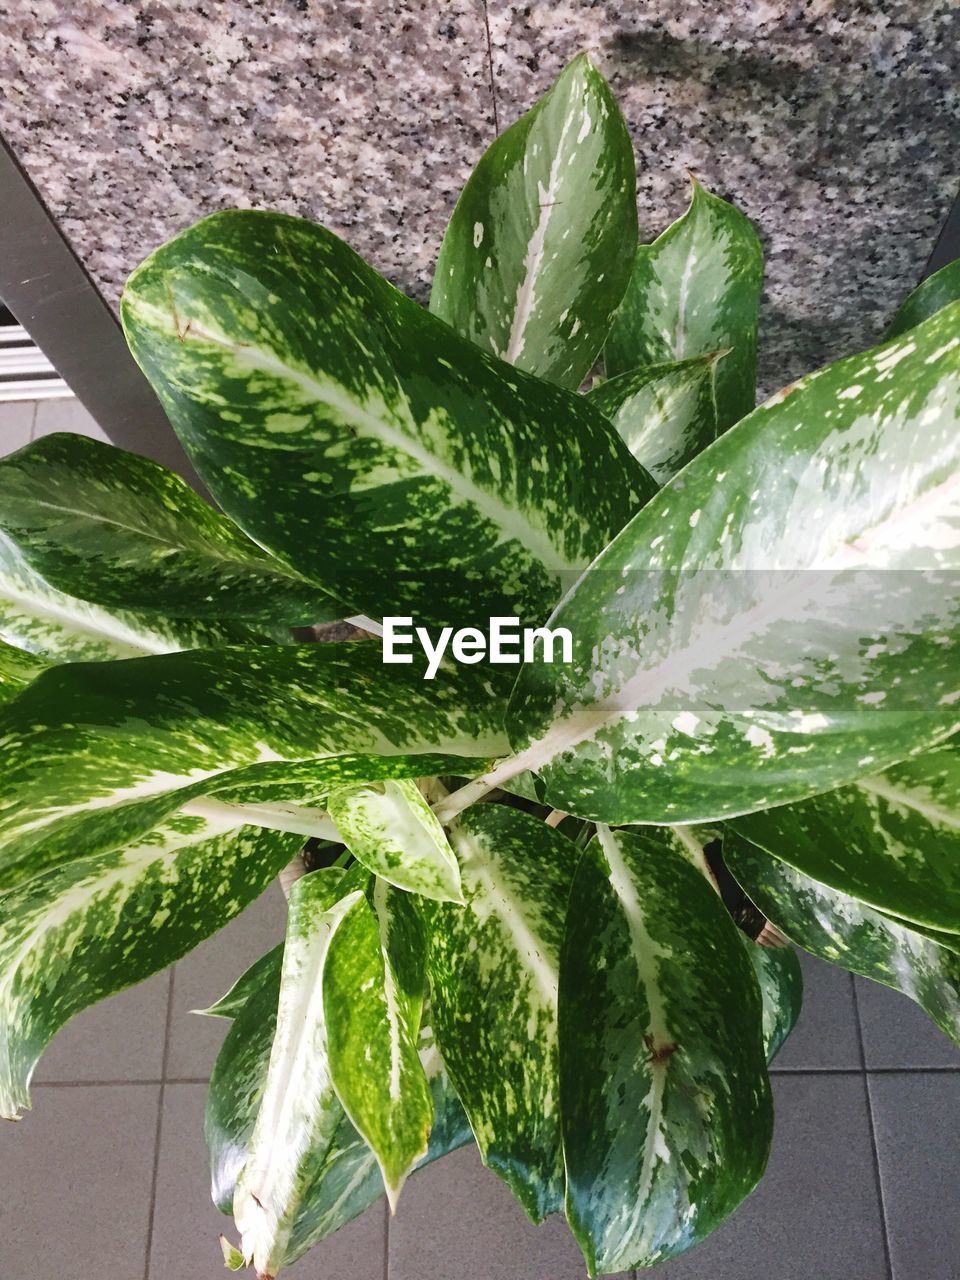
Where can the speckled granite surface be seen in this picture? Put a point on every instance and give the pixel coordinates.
(831, 123)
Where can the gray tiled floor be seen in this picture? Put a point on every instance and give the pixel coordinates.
(107, 1176)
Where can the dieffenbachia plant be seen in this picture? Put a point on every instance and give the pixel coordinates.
(504, 926)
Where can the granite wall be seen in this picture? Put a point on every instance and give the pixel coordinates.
(834, 125)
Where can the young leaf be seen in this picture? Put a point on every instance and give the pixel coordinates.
(98, 925)
(350, 1180)
(781, 991)
(693, 291)
(264, 972)
(891, 840)
(116, 529)
(419, 476)
(666, 413)
(39, 619)
(848, 933)
(295, 1125)
(373, 1025)
(664, 1098)
(929, 297)
(493, 977)
(96, 755)
(540, 247)
(713, 672)
(390, 828)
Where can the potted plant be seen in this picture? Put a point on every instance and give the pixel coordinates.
(611, 647)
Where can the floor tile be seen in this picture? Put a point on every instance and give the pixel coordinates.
(76, 1175)
(816, 1213)
(826, 1032)
(917, 1120)
(16, 424)
(207, 973)
(897, 1033)
(65, 415)
(186, 1224)
(118, 1039)
(457, 1219)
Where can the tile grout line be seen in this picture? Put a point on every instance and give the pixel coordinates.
(168, 1022)
(878, 1179)
(386, 1240)
(493, 86)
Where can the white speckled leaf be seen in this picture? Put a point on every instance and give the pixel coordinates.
(693, 291)
(540, 247)
(891, 840)
(17, 668)
(929, 297)
(780, 619)
(91, 756)
(493, 977)
(36, 617)
(349, 1180)
(666, 413)
(390, 828)
(836, 927)
(99, 924)
(299, 1114)
(419, 475)
(664, 1097)
(122, 531)
(781, 991)
(373, 985)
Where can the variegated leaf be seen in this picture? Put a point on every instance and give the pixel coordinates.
(493, 978)
(666, 413)
(17, 668)
(714, 673)
(540, 247)
(781, 990)
(264, 972)
(390, 828)
(372, 1008)
(850, 934)
(39, 619)
(419, 475)
(95, 755)
(122, 531)
(349, 1181)
(296, 1125)
(664, 1097)
(97, 925)
(693, 291)
(891, 840)
(929, 297)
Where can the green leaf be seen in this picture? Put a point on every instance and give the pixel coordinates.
(39, 619)
(713, 672)
(847, 933)
(120, 530)
(100, 924)
(781, 990)
(262, 972)
(17, 668)
(493, 978)
(295, 1125)
(693, 291)
(373, 1023)
(95, 755)
(390, 828)
(349, 1180)
(419, 475)
(891, 840)
(666, 413)
(540, 247)
(664, 1097)
(929, 297)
